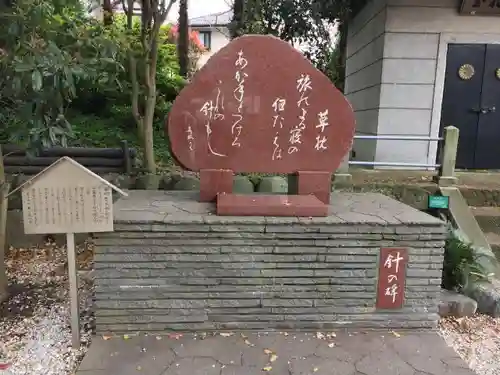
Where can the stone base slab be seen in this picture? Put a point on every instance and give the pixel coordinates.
(270, 205)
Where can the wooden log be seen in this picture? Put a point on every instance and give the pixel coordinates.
(128, 162)
(45, 161)
(31, 170)
(13, 150)
(72, 152)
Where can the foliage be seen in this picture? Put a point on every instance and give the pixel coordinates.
(460, 263)
(84, 95)
(47, 51)
(142, 69)
(117, 124)
(308, 23)
(103, 99)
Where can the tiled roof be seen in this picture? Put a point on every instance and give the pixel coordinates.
(216, 19)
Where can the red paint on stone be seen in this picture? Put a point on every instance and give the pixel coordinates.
(258, 105)
(316, 183)
(270, 205)
(392, 278)
(213, 182)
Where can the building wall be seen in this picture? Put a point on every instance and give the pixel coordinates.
(414, 42)
(220, 38)
(365, 47)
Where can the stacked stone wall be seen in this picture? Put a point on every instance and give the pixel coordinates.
(260, 273)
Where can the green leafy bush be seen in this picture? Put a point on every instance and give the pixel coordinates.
(45, 53)
(461, 263)
(65, 78)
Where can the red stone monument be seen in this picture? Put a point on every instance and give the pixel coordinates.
(258, 105)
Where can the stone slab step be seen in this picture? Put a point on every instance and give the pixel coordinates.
(456, 305)
(488, 219)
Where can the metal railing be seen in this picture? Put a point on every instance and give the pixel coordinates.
(447, 155)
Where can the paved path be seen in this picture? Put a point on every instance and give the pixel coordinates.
(384, 353)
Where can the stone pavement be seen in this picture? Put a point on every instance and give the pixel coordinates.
(343, 353)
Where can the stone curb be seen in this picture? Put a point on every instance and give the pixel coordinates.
(487, 296)
(456, 305)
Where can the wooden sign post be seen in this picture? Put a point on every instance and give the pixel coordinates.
(68, 198)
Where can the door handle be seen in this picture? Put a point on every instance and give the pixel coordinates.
(484, 110)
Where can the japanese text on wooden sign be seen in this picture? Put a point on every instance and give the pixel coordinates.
(67, 209)
(391, 278)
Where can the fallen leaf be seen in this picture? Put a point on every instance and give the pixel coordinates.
(331, 345)
(126, 337)
(319, 335)
(106, 338)
(268, 351)
(332, 334)
(243, 336)
(139, 368)
(175, 336)
(158, 338)
(396, 334)
(249, 343)
(227, 334)
(273, 358)
(315, 369)
(267, 368)
(285, 333)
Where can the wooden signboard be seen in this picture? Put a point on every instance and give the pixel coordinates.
(68, 198)
(480, 7)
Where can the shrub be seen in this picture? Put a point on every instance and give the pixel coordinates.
(461, 263)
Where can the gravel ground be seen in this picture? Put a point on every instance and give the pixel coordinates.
(35, 335)
(476, 340)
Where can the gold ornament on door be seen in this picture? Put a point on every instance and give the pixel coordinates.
(466, 72)
(497, 73)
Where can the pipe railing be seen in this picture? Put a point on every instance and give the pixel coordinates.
(446, 167)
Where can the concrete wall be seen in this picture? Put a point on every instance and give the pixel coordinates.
(220, 38)
(241, 275)
(412, 66)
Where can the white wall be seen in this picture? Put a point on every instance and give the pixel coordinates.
(415, 39)
(220, 38)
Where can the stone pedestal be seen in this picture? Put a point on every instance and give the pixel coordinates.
(172, 264)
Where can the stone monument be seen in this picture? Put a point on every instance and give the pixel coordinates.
(259, 105)
(177, 261)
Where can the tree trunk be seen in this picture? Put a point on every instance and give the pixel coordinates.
(342, 48)
(148, 141)
(3, 228)
(107, 11)
(183, 42)
(238, 18)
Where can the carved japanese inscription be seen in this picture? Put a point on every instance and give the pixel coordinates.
(391, 278)
(259, 105)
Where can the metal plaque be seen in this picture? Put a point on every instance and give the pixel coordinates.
(480, 7)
